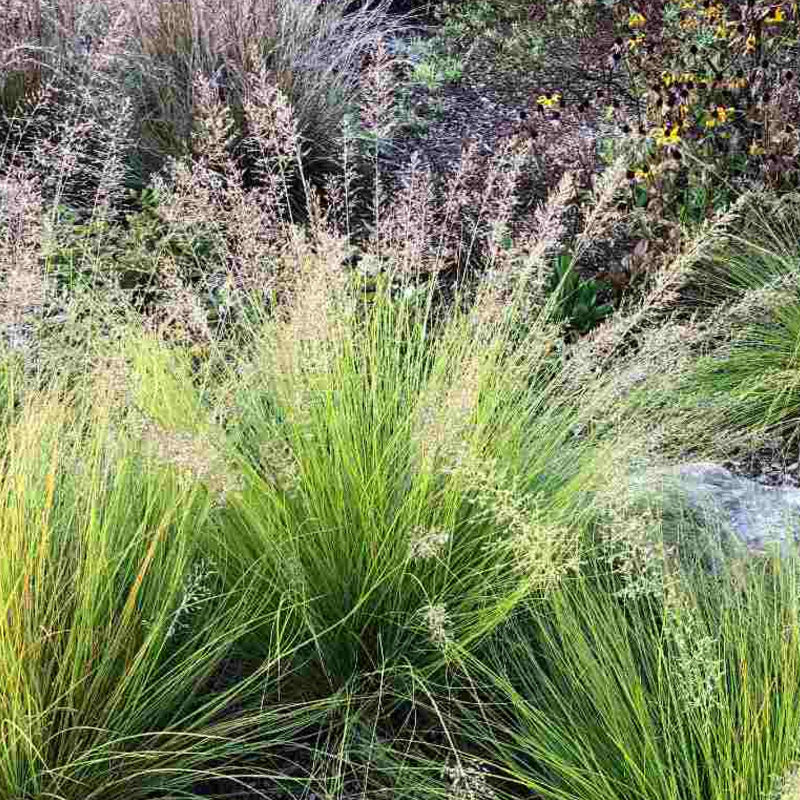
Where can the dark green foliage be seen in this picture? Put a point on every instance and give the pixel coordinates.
(578, 302)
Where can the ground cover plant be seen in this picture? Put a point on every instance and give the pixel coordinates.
(266, 536)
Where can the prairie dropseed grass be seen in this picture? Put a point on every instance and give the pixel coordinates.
(367, 504)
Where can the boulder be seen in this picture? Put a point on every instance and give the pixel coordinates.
(752, 519)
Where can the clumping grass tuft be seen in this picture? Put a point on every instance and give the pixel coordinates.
(302, 535)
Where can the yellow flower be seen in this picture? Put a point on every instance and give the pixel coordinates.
(668, 78)
(756, 150)
(724, 113)
(548, 102)
(722, 32)
(640, 175)
(710, 123)
(636, 21)
(751, 43)
(778, 16)
(634, 43)
(662, 138)
(712, 11)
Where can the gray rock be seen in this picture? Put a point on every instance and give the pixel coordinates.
(752, 519)
(18, 336)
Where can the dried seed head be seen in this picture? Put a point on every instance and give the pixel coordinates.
(190, 455)
(427, 544)
(437, 620)
(467, 783)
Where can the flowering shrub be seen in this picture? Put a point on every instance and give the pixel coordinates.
(714, 102)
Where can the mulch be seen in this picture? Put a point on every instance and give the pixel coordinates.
(488, 105)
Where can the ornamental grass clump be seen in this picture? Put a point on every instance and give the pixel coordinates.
(724, 363)
(693, 694)
(373, 457)
(340, 551)
(147, 54)
(739, 385)
(50, 82)
(112, 619)
(355, 506)
(311, 52)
